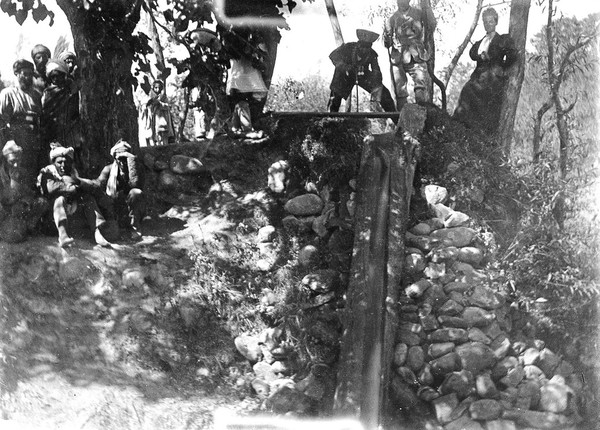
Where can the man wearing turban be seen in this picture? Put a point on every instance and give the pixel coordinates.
(40, 55)
(60, 109)
(20, 111)
(123, 182)
(60, 182)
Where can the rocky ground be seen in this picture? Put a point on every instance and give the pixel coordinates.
(101, 337)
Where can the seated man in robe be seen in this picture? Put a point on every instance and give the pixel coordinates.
(20, 209)
(60, 182)
(356, 64)
(123, 182)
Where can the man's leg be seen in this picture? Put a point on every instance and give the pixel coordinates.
(94, 218)
(136, 207)
(334, 103)
(400, 82)
(59, 214)
(418, 73)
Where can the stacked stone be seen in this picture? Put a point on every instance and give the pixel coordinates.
(178, 173)
(454, 354)
(326, 230)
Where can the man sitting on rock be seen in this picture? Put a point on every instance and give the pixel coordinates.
(60, 182)
(123, 182)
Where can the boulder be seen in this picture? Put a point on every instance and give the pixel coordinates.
(278, 176)
(286, 400)
(455, 236)
(265, 234)
(308, 255)
(304, 205)
(538, 419)
(435, 194)
(414, 263)
(470, 255)
(555, 397)
(400, 353)
(444, 253)
(461, 383)
(435, 270)
(449, 335)
(322, 281)
(476, 335)
(456, 219)
(450, 308)
(436, 350)
(445, 364)
(485, 386)
(548, 361)
(475, 357)
(415, 358)
(485, 409)
(421, 229)
(453, 322)
(477, 317)
(457, 286)
(264, 372)
(417, 289)
(440, 211)
(184, 165)
(483, 297)
(463, 423)
(443, 407)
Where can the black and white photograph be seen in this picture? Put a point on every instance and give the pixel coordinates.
(299, 214)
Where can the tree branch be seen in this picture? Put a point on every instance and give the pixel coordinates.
(461, 48)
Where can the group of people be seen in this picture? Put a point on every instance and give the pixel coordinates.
(356, 63)
(245, 89)
(41, 136)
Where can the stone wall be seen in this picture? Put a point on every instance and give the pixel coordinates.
(463, 359)
(458, 354)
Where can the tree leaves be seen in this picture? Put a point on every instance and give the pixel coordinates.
(20, 10)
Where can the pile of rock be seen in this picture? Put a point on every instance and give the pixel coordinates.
(326, 230)
(174, 172)
(455, 354)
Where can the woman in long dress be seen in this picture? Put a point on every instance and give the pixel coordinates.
(481, 98)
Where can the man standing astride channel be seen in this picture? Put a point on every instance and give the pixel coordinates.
(122, 180)
(40, 55)
(20, 111)
(356, 63)
(405, 34)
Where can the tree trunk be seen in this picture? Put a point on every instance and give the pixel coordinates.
(429, 42)
(519, 14)
(105, 57)
(156, 46)
(461, 48)
(335, 23)
(537, 130)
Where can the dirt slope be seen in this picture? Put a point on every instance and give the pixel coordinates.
(95, 337)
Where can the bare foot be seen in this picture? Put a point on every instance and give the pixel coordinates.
(65, 241)
(100, 240)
